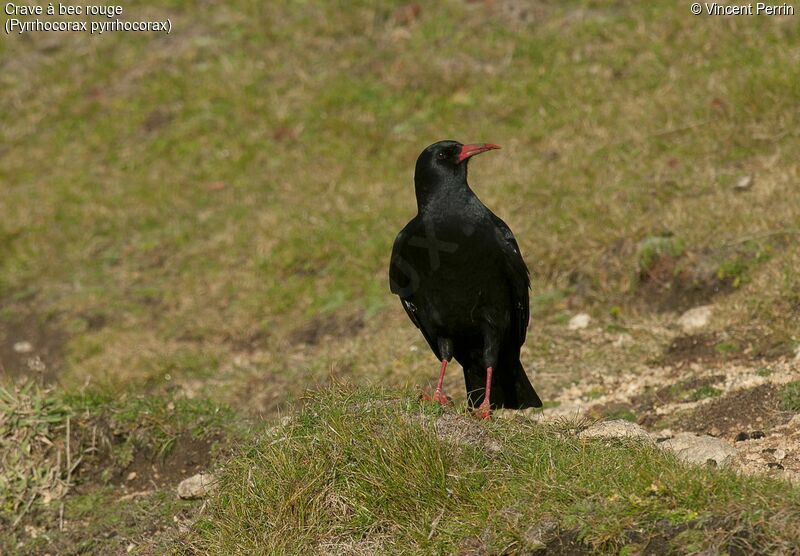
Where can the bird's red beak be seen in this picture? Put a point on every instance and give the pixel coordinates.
(476, 148)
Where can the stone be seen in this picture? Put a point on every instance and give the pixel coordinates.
(623, 339)
(695, 318)
(197, 486)
(579, 321)
(700, 449)
(537, 536)
(616, 428)
(743, 183)
(23, 347)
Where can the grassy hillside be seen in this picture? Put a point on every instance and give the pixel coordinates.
(372, 473)
(206, 216)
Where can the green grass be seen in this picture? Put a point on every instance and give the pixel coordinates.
(365, 471)
(704, 392)
(688, 391)
(653, 248)
(196, 194)
(175, 208)
(726, 347)
(790, 396)
(30, 422)
(41, 485)
(98, 522)
(622, 413)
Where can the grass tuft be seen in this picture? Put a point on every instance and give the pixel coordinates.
(703, 392)
(790, 396)
(651, 249)
(31, 423)
(364, 470)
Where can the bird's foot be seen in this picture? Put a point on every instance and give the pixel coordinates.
(483, 411)
(437, 396)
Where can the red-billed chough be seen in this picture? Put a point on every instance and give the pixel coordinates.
(460, 276)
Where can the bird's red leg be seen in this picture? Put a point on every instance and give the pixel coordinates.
(484, 410)
(438, 395)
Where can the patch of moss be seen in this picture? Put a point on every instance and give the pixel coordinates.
(790, 396)
(653, 248)
(704, 392)
(726, 347)
(595, 393)
(622, 413)
(733, 271)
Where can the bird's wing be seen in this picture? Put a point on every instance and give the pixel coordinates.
(411, 311)
(399, 269)
(403, 281)
(519, 277)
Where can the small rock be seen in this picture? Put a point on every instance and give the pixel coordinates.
(36, 364)
(56, 492)
(537, 536)
(742, 436)
(616, 428)
(779, 454)
(623, 339)
(743, 183)
(755, 435)
(695, 318)
(131, 476)
(33, 532)
(700, 449)
(196, 486)
(23, 347)
(579, 321)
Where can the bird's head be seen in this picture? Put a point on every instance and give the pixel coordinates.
(444, 164)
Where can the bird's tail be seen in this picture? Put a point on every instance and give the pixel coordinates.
(515, 390)
(511, 387)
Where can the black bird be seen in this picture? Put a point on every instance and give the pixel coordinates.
(462, 280)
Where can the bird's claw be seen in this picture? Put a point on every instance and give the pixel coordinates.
(438, 396)
(482, 412)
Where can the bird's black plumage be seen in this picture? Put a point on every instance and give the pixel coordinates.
(461, 279)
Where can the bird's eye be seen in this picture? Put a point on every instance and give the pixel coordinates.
(441, 155)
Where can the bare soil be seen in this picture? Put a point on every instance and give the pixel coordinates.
(31, 347)
(322, 327)
(739, 411)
